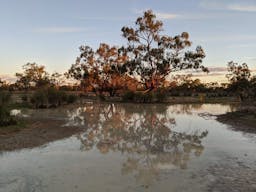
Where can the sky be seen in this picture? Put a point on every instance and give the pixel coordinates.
(49, 32)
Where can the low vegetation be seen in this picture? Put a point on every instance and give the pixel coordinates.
(145, 97)
(5, 117)
(51, 97)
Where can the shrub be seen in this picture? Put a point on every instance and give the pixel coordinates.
(160, 95)
(138, 97)
(51, 97)
(40, 98)
(24, 98)
(144, 97)
(5, 97)
(71, 99)
(5, 117)
(128, 96)
(63, 97)
(102, 97)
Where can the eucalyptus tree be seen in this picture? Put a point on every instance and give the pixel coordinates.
(100, 70)
(153, 56)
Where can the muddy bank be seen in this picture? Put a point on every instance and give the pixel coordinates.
(232, 174)
(34, 133)
(241, 120)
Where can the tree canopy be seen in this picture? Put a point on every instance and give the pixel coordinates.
(148, 58)
(35, 75)
(239, 77)
(100, 70)
(238, 72)
(153, 56)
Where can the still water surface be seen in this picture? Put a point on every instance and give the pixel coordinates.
(135, 147)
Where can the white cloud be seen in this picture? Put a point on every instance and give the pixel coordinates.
(251, 58)
(60, 30)
(166, 16)
(212, 71)
(180, 16)
(226, 38)
(246, 8)
(217, 69)
(159, 15)
(105, 18)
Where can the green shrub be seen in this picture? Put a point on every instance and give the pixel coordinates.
(5, 97)
(140, 97)
(51, 97)
(40, 98)
(24, 98)
(71, 99)
(63, 97)
(160, 95)
(102, 97)
(149, 97)
(128, 96)
(5, 117)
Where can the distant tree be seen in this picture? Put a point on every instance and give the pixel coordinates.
(100, 70)
(152, 56)
(4, 85)
(186, 85)
(1, 83)
(56, 79)
(239, 77)
(33, 75)
(253, 86)
(238, 72)
(183, 79)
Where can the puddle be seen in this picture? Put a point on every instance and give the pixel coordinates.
(136, 147)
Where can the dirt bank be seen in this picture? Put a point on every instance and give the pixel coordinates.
(34, 133)
(241, 120)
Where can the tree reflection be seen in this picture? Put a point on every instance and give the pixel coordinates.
(144, 134)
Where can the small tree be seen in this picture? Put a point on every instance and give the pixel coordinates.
(239, 78)
(2, 83)
(33, 75)
(152, 56)
(5, 117)
(253, 86)
(56, 79)
(100, 70)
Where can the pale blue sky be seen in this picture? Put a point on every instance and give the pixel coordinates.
(49, 32)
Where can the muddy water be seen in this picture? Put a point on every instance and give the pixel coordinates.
(131, 147)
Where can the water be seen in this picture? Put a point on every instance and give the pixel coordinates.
(134, 147)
